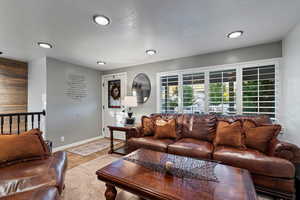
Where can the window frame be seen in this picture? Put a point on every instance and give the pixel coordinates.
(239, 82)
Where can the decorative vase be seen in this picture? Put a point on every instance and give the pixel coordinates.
(168, 167)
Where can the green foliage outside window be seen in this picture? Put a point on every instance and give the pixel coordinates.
(188, 96)
(216, 93)
(250, 90)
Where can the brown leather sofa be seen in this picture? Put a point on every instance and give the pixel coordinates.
(34, 180)
(272, 173)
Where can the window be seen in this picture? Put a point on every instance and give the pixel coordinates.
(259, 90)
(222, 92)
(245, 88)
(193, 93)
(169, 94)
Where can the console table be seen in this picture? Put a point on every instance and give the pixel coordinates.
(128, 129)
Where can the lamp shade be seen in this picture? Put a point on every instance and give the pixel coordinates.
(130, 101)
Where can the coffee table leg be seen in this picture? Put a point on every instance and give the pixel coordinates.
(111, 192)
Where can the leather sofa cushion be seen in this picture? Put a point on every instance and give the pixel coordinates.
(255, 161)
(192, 148)
(32, 174)
(17, 148)
(149, 142)
(43, 193)
(202, 127)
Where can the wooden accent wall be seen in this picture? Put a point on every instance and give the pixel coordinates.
(13, 86)
(13, 89)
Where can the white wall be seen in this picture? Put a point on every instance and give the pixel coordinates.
(74, 120)
(290, 99)
(37, 87)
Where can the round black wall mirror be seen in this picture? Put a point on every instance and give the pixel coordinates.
(141, 88)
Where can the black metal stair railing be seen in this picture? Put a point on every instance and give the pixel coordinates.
(25, 119)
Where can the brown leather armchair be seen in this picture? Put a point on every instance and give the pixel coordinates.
(272, 173)
(34, 180)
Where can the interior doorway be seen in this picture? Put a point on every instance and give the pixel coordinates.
(114, 89)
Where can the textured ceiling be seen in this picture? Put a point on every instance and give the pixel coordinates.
(175, 28)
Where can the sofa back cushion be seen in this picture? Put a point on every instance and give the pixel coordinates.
(18, 148)
(202, 127)
(230, 134)
(259, 137)
(258, 119)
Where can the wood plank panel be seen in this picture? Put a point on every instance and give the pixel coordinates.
(13, 90)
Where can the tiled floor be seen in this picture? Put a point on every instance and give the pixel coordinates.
(81, 181)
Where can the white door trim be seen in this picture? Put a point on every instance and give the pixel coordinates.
(103, 78)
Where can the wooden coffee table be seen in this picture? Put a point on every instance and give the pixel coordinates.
(233, 183)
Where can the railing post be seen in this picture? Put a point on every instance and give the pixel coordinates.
(39, 121)
(32, 121)
(2, 123)
(25, 122)
(18, 124)
(10, 124)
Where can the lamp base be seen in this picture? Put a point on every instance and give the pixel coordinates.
(130, 114)
(129, 121)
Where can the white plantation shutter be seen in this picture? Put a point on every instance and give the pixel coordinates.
(193, 93)
(222, 92)
(259, 95)
(169, 94)
(250, 88)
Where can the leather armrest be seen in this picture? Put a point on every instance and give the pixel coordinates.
(138, 132)
(285, 150)
(60, 165)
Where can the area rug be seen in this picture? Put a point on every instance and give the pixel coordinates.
(90, 148)
(82, 183)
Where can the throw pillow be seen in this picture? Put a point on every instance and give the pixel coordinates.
(33, 131)
(24, 147)
(259, 137)
(229, 134)
(148, 125)
(165, 129)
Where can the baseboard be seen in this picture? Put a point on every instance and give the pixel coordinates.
(61, 148)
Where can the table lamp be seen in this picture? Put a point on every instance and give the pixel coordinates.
(130, 102)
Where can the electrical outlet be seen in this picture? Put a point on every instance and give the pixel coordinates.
(62, 138)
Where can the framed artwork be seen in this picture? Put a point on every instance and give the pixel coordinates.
(114, 94)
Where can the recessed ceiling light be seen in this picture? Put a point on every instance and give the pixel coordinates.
(235, 34)
(101, 20)
(45, 45)
(151, 52)
(101, 63)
